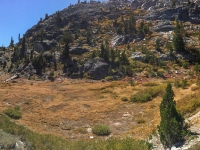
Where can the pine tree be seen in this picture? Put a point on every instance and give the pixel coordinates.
(102, 52)
(12, 42)
(55, 63)
(178, 42)
(19, 37)
(23, 47)
(126, 27)
(46, 16)
(67, 39)
(157, 47)
(39, 63)
(132, 23)
(58, 18)
(171, 126)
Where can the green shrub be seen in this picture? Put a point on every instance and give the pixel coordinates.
(177, 83)
(150, 84)
(101, 130)
(131, 83)
(147, 94)
(51, 75)
(109, 78)
(184, 83)
(124, 99)
(13, 113)
(160, 72)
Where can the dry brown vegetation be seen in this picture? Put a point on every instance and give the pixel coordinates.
(70, 108)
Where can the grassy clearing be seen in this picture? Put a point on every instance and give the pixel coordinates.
(47, 141)
(147, 94)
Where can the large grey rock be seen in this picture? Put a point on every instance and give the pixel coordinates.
(122, 39)
(96, 68)
(135, 4)
(112, 16)
(137, 56)
(2, 60)
(149, 4)
(78, 50)
(118, 40)
(165, 26)
(185, 56)
(165, 57)
(52, 35)
(41, 46)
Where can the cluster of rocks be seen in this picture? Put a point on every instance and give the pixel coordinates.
(26, 70)
(179, 12)
(163, 56)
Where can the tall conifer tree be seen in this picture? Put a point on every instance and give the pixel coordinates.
(171, 126)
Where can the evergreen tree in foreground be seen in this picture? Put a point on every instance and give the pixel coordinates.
(171, 126)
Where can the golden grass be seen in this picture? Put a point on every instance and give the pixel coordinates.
(69, 107)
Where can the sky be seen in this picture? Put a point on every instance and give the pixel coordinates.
(17, 16)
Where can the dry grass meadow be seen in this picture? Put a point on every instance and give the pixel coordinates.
(69, 109)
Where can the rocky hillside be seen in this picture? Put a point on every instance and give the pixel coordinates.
(109, 40)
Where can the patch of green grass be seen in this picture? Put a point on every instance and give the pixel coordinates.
(147, 94)
(13, 113)
(48, 141)
(150, 84)
(101, 130)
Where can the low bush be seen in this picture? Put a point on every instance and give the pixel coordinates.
(109, 78)
(51, 75)
(160, 72)
(147, 94)
(140, 121)
(13, 113)
(183, 83)
(101, 130)
(124, 99)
